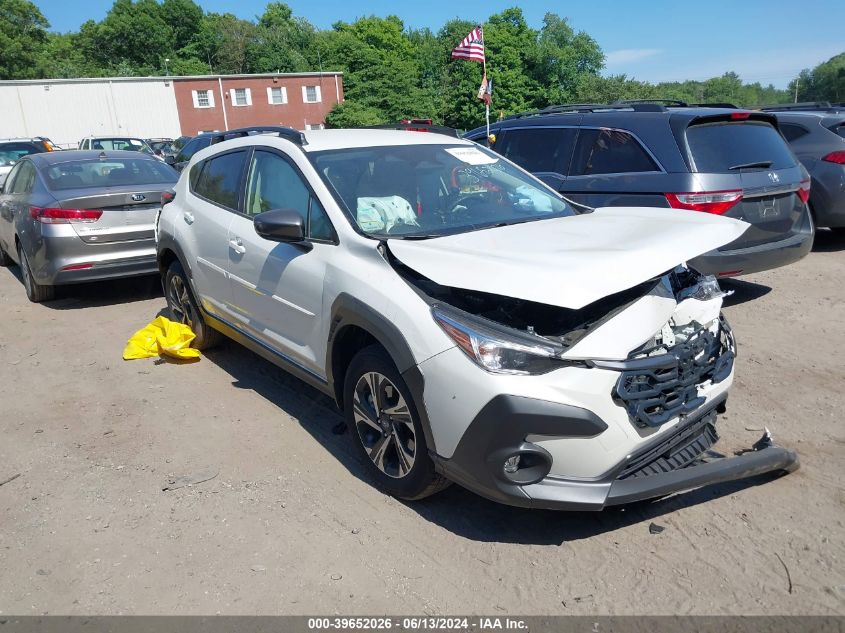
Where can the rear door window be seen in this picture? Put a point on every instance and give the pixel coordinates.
(220, 179)
(539, 150)
(606, 151)
(718, 147)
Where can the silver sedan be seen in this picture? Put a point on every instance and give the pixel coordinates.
(74, 216)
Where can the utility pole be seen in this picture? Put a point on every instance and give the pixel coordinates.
(797, 80)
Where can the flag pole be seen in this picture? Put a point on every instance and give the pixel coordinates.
(486, 101)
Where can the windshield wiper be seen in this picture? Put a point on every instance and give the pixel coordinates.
(763, 164)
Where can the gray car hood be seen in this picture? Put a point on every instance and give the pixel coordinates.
(573, 261)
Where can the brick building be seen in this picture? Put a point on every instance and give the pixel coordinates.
(299, 100)
(67, 110)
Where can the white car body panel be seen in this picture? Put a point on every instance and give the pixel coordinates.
(573, 261)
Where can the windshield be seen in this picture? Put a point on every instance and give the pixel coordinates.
(418, 191)
(112, 172)
(11, 153)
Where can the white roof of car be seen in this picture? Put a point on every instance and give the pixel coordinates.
(319, 140)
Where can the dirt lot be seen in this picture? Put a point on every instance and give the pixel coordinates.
(290, 524)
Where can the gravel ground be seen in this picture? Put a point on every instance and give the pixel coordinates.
(290, 525)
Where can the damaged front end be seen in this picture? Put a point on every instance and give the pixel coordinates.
(662, 350)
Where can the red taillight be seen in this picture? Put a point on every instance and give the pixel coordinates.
(717, 202)
(740, 116)
(804, 190)
(167, 197)
(837, 157)
(64, 216)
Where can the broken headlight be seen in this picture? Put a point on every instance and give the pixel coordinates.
(496, 350)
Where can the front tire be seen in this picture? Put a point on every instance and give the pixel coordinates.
(183, 307)
(35, 292)
(385, 427)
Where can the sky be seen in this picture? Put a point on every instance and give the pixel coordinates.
(769, 41)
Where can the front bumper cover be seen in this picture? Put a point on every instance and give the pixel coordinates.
(478, 462)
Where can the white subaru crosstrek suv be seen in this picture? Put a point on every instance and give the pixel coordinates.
(469, 322)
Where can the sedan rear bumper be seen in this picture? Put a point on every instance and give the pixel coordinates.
(108, 270)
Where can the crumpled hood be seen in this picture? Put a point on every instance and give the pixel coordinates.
(569, 262)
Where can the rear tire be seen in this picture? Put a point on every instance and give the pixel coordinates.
(5, 260)
(35, 292)
(385, 427)
(184, 308)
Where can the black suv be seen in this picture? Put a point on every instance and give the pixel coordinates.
(718, 160)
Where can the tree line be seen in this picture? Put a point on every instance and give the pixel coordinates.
(390, 72)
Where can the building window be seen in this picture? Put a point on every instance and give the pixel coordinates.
(203, 98)
(314, 126)
(277, 95)
(311, 94)
(241, 97)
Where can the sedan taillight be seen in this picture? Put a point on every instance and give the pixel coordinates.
(717, 202)
(49, 215)
(804, 190)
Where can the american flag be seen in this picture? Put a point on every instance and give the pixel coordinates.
(472, 47)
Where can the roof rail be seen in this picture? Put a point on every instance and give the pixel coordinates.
(415, 125)
(663, 102)
(807, 105)
(294, 136)
(591, 107)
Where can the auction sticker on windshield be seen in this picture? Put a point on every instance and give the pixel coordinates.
(471, 155)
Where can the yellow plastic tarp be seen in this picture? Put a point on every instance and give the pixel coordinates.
(162, 337)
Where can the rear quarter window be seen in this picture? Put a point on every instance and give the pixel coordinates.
(717, 147)
(606, 151)
(220, 178)
(792, 131)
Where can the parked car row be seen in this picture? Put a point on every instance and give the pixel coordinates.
(721, 160)
(539, 340)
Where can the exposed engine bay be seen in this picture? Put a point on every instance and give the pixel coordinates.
(562, 325)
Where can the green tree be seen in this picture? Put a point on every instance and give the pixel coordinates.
(281, 42)
(825, 82)
(354, 114)
(23, 33)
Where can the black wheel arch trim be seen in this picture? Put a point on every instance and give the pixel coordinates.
(350, 311)
(166, 243)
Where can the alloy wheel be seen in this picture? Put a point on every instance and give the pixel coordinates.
(180, 301)
(384, 424)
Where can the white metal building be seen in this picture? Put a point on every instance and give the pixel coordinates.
(66, 110)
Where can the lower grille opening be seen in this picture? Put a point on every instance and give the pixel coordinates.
(682, 448)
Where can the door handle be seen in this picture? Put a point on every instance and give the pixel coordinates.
(188, 217)
(236, 245)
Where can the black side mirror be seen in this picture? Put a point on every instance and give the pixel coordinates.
(169, 159)
(280, 225)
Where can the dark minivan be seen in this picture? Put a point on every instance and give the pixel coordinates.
(711, 159)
